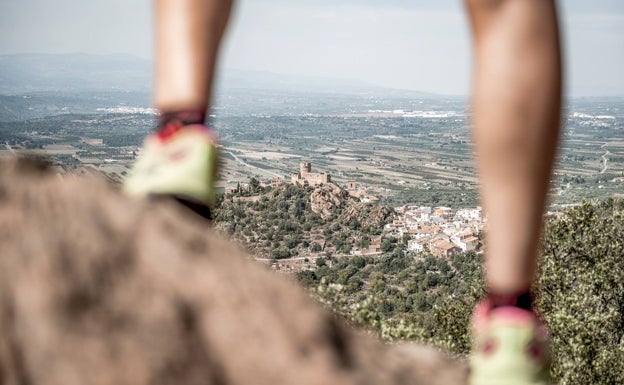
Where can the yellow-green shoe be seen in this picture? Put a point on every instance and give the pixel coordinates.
(182, 165)
(510, 347)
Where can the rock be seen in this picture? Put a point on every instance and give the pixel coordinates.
(368, 215)
(97, 288)
(326, 198)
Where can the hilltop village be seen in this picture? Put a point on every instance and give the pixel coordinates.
(438, 231)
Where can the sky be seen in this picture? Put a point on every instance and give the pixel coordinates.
(408, 44)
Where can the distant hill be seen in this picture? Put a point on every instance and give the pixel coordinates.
(79, 72)
(39, 85)
(234, 79)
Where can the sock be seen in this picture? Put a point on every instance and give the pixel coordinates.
(171, 121)
(522, 300)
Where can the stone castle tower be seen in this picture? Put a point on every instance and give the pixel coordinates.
(305, 176)
(305, 168)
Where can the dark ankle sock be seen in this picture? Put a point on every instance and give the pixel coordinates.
(172, 121)
(523, 300)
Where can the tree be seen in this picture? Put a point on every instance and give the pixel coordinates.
(358, 262)
(254, 185)
(388, 244)
(580, 292)
(307, 278)
(280, 253)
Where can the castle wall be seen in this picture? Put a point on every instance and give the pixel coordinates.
(311, 178)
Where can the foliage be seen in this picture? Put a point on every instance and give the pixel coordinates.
(581, 293)
(404, 296)
(454, 197)
(399, 295)
(279, 223)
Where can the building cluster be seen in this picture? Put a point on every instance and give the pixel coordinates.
(440, 230)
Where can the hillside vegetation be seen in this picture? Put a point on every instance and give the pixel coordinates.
(401, 295)
(279, 223)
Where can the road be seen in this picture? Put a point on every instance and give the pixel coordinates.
(604, 159)
(8, 146)
(260, 170)
(567, 187)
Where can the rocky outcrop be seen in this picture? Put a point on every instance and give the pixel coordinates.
(326, 198)
(96, 288)
(368, 215)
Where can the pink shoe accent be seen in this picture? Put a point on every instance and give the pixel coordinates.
(484, 313)
(513, 315)
(490, 346)
(174, 127)
(480, 315)
(172, 121)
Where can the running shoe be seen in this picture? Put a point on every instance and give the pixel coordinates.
(181, 164)
(510, 347)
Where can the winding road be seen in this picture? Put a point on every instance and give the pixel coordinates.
(604, 159)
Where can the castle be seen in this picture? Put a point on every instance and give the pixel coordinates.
(305, 176)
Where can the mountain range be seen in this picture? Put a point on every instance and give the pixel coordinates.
(79, 72)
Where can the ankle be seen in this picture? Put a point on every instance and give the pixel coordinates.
(522, 299)
(171, 122)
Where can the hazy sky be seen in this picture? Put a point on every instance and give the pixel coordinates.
(422, 45)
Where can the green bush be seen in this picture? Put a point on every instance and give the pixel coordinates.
(580, 292)
(280, 253)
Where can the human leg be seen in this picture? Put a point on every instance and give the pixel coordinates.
(516, 116)
(188, 35)
(180, 158)
(516, 113)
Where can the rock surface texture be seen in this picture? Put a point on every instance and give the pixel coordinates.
(326, 198)
(96, 288)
